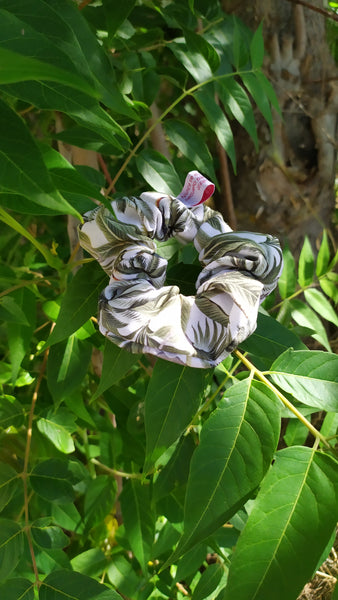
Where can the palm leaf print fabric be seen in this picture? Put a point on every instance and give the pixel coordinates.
(138, 312)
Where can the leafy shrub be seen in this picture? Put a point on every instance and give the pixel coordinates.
(118, 475)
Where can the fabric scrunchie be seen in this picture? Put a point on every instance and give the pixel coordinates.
(139, 313)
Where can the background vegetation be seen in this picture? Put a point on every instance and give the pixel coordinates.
(121, 476)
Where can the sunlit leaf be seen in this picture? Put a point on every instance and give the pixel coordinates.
(217, 120)
(236, 446)
(321, 305)
(158, 172)
(323, 258)
(306, 317)
(311, 376)
(191, 143)
(58, 426)
(306, 264)
(288, 528)
(24, 172)
(237, 103)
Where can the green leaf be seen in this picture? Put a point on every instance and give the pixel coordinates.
(11, 546)
(68, 585)
(288, 528)
(296, 433)
(255, 88)
(58, 427)
(269, 341)
(53, 479)
(68, 517)
(209, 582)
(288, 280)
(47, 535)
(20, 335)
(116, 363)
(9, 483)
(17, 588)
(67, 178)
(323, 258)
(306, 264)
(59, 32)
(11, 412)
(99, 499)
(11, 311)
(66, 368)
(158, 172)
(176, 471)
(190, 142)
(116, 13)
(306, 317)
(22, 169)
(329, 288)
(79, 302)
(257, 48)
(15, 67)
(311, 376)
(138, 519)
(196, 55)
(217, 120)
(237, 103)
(91, 562)
(172, 399)
(236, 446)
(321, 305)
(122, 575)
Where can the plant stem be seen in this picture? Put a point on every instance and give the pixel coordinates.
(116, 472)
(24, 474)
(184, 94)
(285, 401)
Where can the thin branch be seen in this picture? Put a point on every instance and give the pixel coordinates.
(105, 171)
(322, 11)
(150, 129)
(285, 401)
(24, 474)
(118, 473)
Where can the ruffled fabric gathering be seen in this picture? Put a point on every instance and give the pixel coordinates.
(138, 312)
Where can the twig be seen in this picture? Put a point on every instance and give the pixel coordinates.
(24, 474)
(118, 473)
(150, 129)
(83, 4)
(285, 401)
(322, 11)
(226, 186)
(105, 171)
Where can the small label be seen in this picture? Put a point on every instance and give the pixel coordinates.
(196, 190)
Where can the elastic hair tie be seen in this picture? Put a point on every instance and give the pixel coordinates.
(139, 313)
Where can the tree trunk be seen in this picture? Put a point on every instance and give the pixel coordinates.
(288, 187)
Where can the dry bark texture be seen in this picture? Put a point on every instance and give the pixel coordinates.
(288, 188)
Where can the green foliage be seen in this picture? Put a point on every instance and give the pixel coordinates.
(118, 476)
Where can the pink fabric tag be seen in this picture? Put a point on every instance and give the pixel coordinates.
(196, 189)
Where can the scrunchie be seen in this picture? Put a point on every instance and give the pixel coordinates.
(138, 313)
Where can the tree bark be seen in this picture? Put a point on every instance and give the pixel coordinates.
(288, 188)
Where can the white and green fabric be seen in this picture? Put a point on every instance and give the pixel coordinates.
(138, 312)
